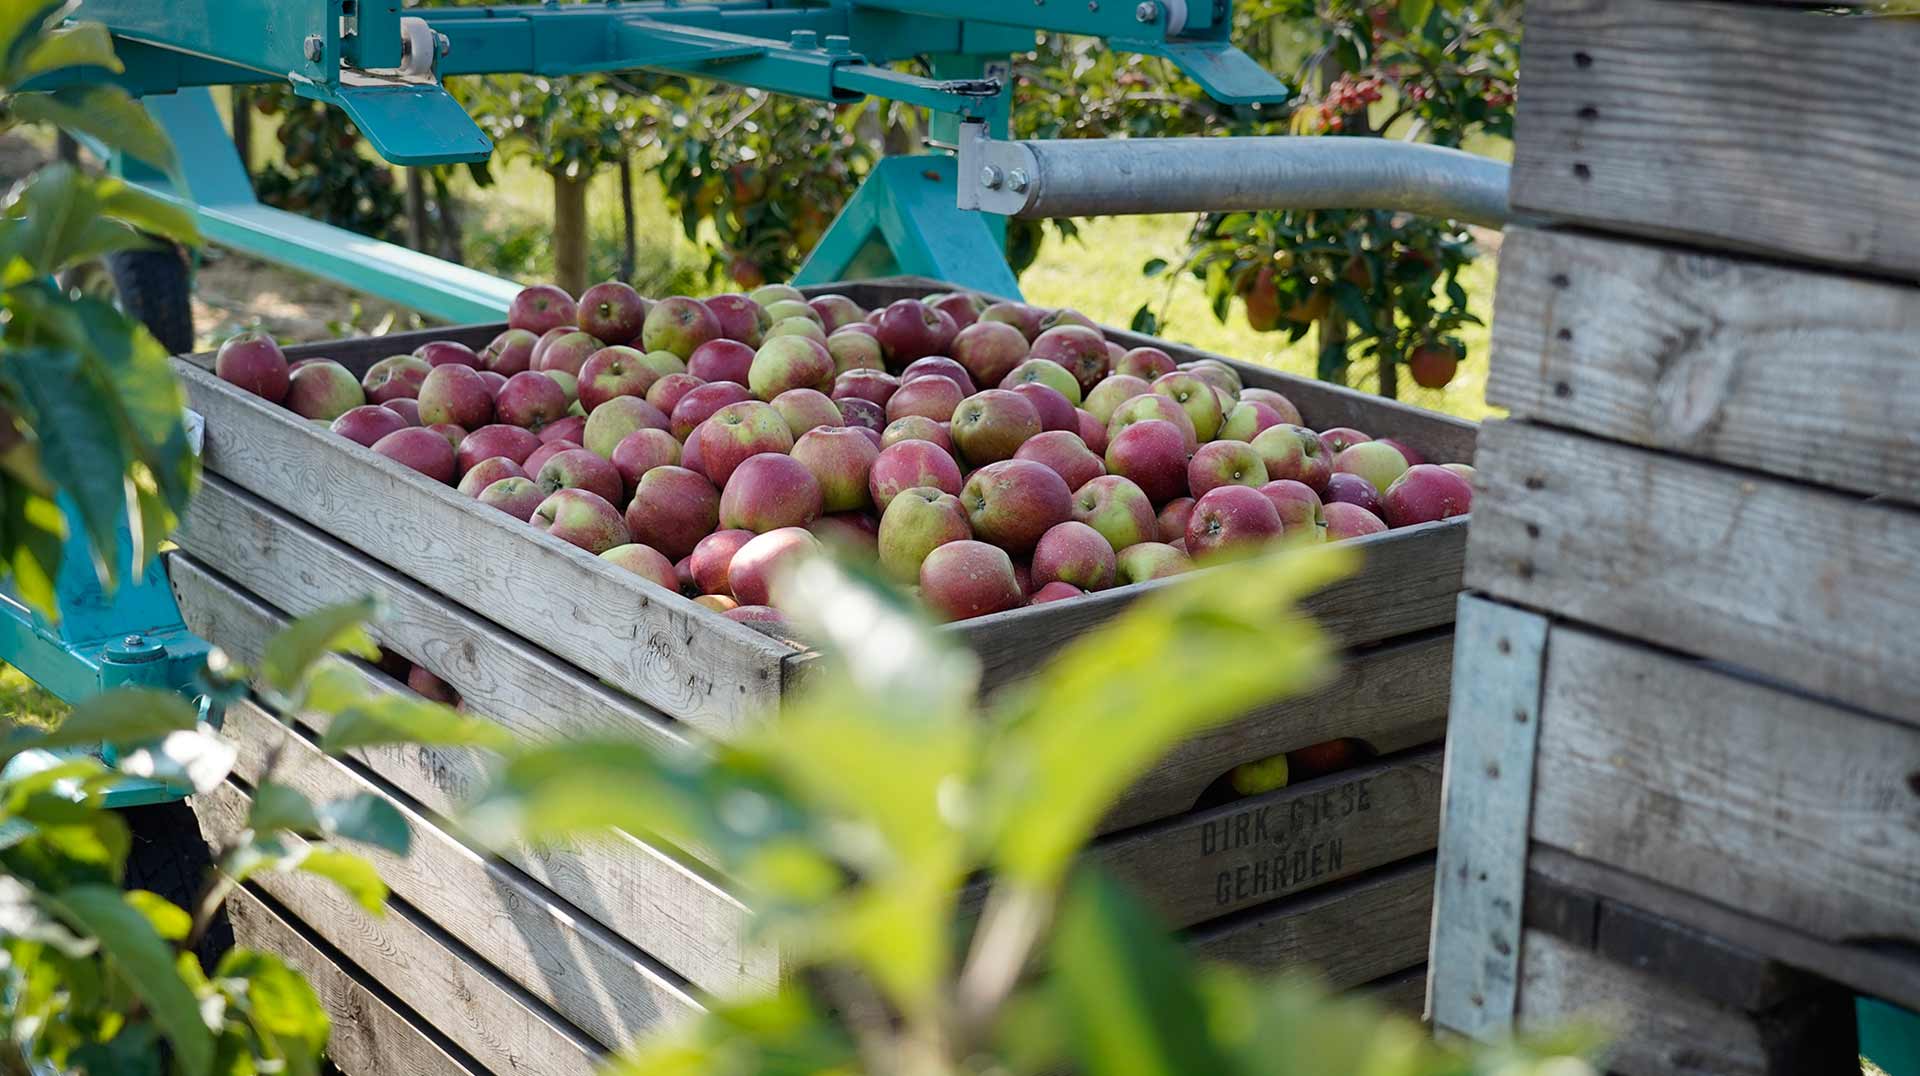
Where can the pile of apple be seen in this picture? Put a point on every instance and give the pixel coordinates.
(992, 455)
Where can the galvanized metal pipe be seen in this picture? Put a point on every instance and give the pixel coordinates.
(1103, 177)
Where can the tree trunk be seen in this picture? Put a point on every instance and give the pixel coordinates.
(452, 239)
(1333, 331)
(570, 232)
(629, 255)
(417, 210)
(1389, 378)
(243, 126)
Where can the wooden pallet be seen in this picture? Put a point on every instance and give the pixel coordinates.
(1683, 774)
(536, 959)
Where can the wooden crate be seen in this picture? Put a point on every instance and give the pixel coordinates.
(551, 642)
(1683, 773)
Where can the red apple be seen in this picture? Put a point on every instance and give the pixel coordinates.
(1464, 470)
(916, 428)
(721, 360)
(775, 293)
(1339, 438)
(1377, 463)
(406, 408)
(1231, 519)
(255, 363)
(368, 423)
(570, 385)
(964, 579)
(510, 353)
(531, 401)
(1092, 431)
(919, 521)
(392, 378)
(582, 518)
(933, 397)
(428, 686)
(855, 350)
(1082, 350)
(1224, 463)
(906, 464)
(578, 468)
(1350, 521)
(672, 509)
(499, 439)
(989, 350)
(1298, 505)
(1067, 316)
(546, 451)
(1109, 394)
(447, 352)
(1145, 363)
(1196, 397)
(963, 307)
(1117, 508)
(851, 536)
(486, 472)
(1056, 411)
(1153, 453)
(1216, 373)
(569, 428)
(806, 409)
(719, 603)
(324, 390)
(909, 329)
(789, 309)
(1407, 453)
(711, 558)
(421, 449)
(1065, 454)
(1245, 421)
(667, 392)
(939, 366)
(789, 362)
(679, 325)
(991, 426)
(1295, 452)
(643, 450)
(1013, 502)
(767, 492)
(1054, 592)
(1075, 553)
(1149, 560)
(1289, 414)
(1045, 372)
(741, 320)
(517, 497)
(876, 386)
(455, 394)
(664, 363)
(1173, 519)
(612, 421)
(453, 432)
(567, 353)
(738, 432)
(644, 561)
(540, 308)
(612, 311)
(841, 460)
(495, 382)
(1019, 315)
(701, 402)
(836, 310)
(1352, 489)
(1154, 406)
(613, 371)
(863, 415)
(1425, 493)
(755, 570)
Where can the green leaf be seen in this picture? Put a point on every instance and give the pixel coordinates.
(1414, 13)
(32, 534)
(169, 920)
(283, 1010)
(406, 719)
(278, 807)
(369, 819)
(291, 652)
(1097, 716)
(122, 717)
(197, 759)
(145, 961)
(148, 212)
(80, 448)
(84, 44)
(1129, 992)
(105, 112)
(22, 917)
(21, 26)
(350, 872)
(61, 222)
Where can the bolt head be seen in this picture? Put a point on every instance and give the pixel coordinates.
(990, 177)
(315, 48)
(1017, 181)
(1147, 12)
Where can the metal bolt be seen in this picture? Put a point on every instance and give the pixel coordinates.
(1017, 180)
(1093, 5)
(316, 48)
(804, 39)
(134, 642)
(442, 44)
(839, 43)
(1147, 12)
(991, 178)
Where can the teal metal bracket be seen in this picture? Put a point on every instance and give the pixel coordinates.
(903, 220)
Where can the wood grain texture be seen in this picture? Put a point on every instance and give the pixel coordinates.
(1664, 1031)
(1394, 697)
(369, 1037)
(648, 895)
(1407, 582)
(657, 646)
(1481, 878)
(498, 674)
(1801, 374)
(1404, 993)
(1351, 933)
(1731, 126)
(1786, 808)
(607, 987)
(455, 992)
(1880, 971)
(1214, 863)
(1815, 588)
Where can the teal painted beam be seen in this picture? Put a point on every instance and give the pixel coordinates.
(903, 220)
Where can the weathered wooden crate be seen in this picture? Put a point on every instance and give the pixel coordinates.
(1683, 771)
(579, 948)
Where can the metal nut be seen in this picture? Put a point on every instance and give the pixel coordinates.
(315, 48)
(990, 177)
(1147, 12)
(1017, 181)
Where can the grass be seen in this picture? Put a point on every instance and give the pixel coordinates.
(23, 702)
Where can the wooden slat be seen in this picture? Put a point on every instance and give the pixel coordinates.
(1404, 993)
(1394, 697)
(658, 646)
(1483, 828)
(481, 1011)
(643, 893)
(496, 672)
(1664, 1031)
(1801, 374)
(1214, 863)
(1407, 582)
(369, 1036)
(1785, 808)
(1812, 587)
(1352, 933)
(610, 989)
(1731, 126)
